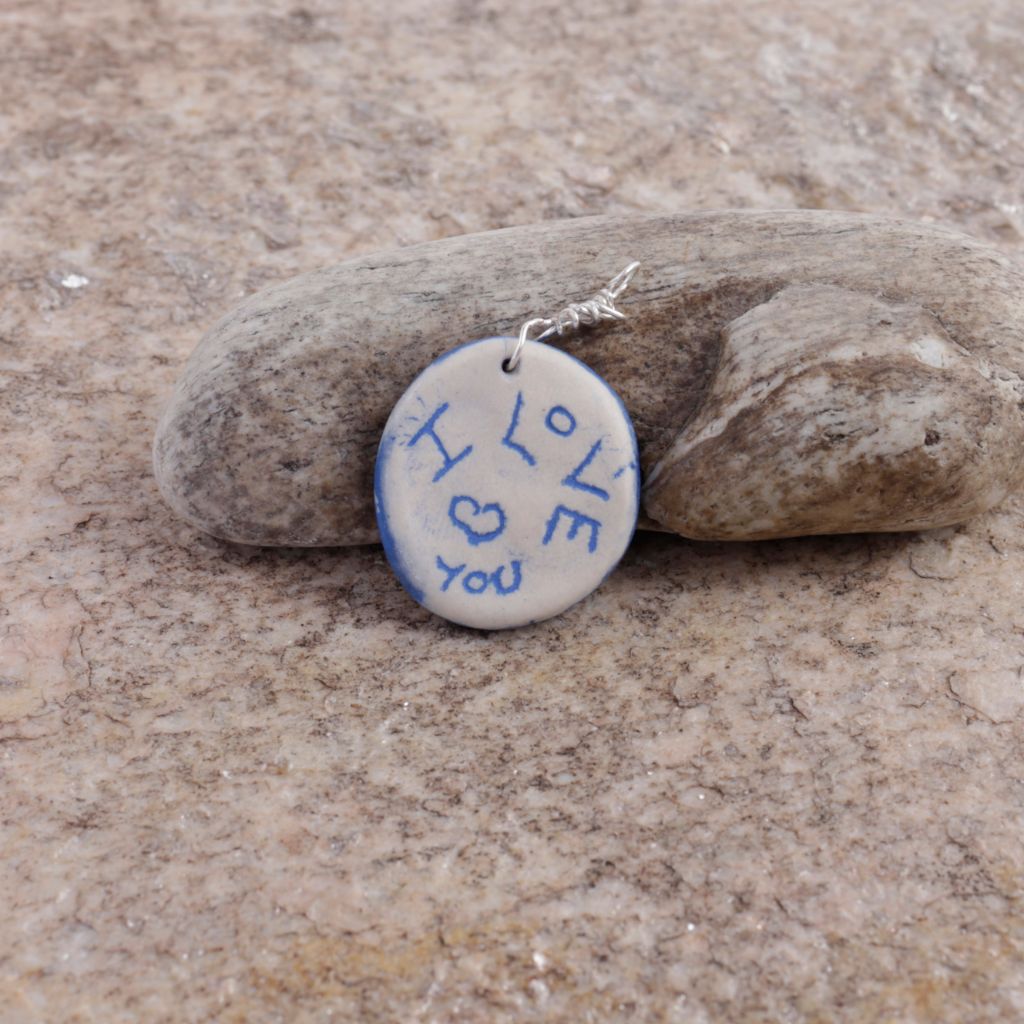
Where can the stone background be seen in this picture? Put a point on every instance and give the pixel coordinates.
(766, 782)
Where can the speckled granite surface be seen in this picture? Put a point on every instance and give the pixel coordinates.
(775, 782)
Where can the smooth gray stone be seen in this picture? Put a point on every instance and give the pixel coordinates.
(787, 372)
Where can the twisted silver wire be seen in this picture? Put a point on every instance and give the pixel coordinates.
(595, 310)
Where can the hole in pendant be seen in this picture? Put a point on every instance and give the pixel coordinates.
(506, 367)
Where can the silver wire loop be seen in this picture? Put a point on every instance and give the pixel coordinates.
(595, 310)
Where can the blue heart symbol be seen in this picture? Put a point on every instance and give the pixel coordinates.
(475, 518)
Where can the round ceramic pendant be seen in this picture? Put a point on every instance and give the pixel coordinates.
(504, 498)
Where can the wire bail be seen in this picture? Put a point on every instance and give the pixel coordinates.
(597, 309)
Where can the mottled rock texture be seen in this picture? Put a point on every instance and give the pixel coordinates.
(743, 782)
(833, 411)
(775, 391)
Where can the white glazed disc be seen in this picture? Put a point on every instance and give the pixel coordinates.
(504, 498)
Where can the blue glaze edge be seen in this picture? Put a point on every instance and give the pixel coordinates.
(636, 470)
(387, 538)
